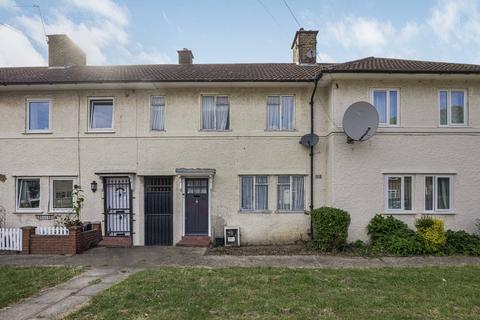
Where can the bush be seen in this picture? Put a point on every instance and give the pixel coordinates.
(392, 236)
(432, 232)
(461, 242)
(330, 228)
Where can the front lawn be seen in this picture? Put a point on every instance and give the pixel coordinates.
(286, 293)
(20, 282)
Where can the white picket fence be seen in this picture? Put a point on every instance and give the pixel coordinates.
(11, 239)
(51, 231)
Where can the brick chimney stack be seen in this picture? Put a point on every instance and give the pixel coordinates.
(185, 56)
(63, 52)
(305, 47)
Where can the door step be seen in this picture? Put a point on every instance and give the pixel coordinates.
(194, 241)
(116, 242)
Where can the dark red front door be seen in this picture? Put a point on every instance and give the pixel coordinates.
(196, 207)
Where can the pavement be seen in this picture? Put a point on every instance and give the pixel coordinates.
(67, 297)
(144, 257)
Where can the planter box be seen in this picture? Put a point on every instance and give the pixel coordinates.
(75, 242)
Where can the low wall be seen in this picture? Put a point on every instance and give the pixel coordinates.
(75, 242)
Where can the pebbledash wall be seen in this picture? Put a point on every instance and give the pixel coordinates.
(349, 176)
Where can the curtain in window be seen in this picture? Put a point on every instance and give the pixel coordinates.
(273, 113)
(283, 193)
(407, 193)
(428, 193)
(208, 112)
(380, 103)
(288, 112)
(38, 115)
(457, 107)
(298, 193)
(443, 107)
(247, 192)
(393, 107)
(158, 113)
(222, 113)
(261, 193)
(443, 193)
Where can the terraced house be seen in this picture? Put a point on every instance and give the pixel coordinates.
(174, 153)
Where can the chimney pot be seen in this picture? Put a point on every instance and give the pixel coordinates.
(63, 52)
(185, 56)
(305, 47)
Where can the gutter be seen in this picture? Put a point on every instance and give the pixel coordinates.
(312, 131)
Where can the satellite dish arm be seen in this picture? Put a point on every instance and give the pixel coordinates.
(366, 132)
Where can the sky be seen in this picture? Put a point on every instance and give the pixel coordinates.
(235, 31)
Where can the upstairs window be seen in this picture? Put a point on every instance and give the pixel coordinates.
(452, 104)
(438, 193)
(290, 193)
(215, 113)
(386, 102)
(28, 194)
(399, 193)
(38, 115)
(101, 115)
(254, 193)
(280, 113)
(157, 113)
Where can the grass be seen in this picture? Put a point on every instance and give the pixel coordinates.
(17, 283)
(285, 293)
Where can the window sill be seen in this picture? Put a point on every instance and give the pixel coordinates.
(157, 131)
(438, 213)
(27, 211)
(38, 132)
(290, 211)
(410, 213)
(59, 212)
(281, 130)
(99, 131)
(400, 213)
(213, 130)
(255, 211)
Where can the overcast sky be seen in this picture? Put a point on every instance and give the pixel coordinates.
(228, 31)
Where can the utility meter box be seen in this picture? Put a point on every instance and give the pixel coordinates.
(232, 236)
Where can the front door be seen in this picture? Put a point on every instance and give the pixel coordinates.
(158, 211)
(196, 207)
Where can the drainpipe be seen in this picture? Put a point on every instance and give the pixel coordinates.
(312, 129)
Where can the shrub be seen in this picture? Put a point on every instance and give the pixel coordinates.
(330, 228)
(432, 232)
(381, 227)
(461, 242)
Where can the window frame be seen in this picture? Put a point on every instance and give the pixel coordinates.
(40, 202)
(435, 194)
(387, 90)
(164, 112)
(27, 112)
(449, 108)
(215, 96)
(291, 210)
(255, 210)
(402, 193)
(281, 113)
(51, 194)
(100, 130)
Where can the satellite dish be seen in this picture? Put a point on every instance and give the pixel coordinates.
(360, 121)
(311, 53)
(309, 140)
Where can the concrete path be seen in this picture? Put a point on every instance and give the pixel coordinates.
(55, 302)
(143, 257)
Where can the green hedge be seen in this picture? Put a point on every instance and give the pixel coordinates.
(330, 228)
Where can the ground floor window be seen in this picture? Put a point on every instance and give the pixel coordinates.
(290, 193)
(61, 194)
(399, 193)
(28, 194)
(438, 193)
(254, 193)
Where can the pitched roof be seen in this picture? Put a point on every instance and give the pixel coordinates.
(281, 72)
(387, 65)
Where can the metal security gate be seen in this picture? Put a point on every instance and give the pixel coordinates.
(158, 211)
(118, 206)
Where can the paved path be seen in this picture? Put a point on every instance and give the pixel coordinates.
(66, 297)
(144, 257)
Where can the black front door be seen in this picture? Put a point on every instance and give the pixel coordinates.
(158, 211)
(196, 207)
(118, 206)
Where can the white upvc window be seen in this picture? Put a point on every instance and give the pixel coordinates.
(61, 194)
(215, 113)
(28, 195)
(280, 113)
(438, 194)
(399, 193)
(157, 113)
(254, 193)
(39, 115)
(452, 107)
(387, 103)
(290, 193)
(100, 114)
